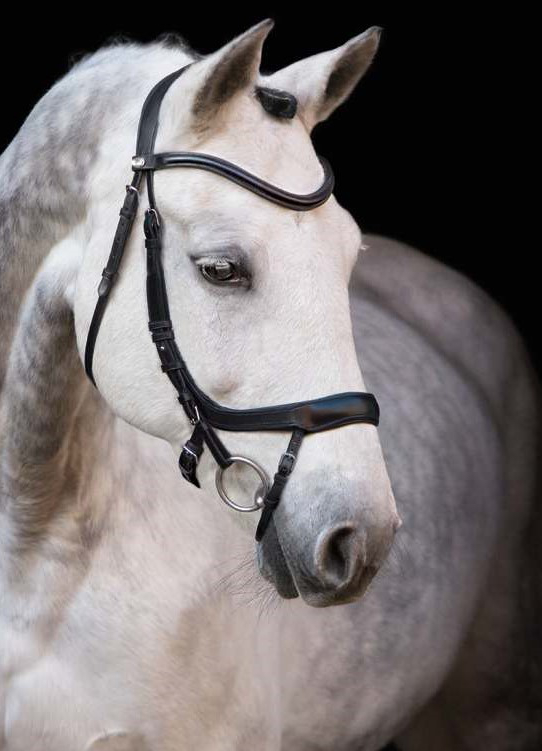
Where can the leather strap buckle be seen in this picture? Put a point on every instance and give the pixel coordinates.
(190, 456)
(286, 463)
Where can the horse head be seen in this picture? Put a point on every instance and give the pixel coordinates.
(258, 298)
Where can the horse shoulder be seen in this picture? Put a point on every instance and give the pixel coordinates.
(475, 335)
(451, 311)
(478, 340)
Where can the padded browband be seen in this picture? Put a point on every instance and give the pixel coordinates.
(240, 176)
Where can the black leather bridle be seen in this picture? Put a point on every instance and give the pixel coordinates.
(204, 414)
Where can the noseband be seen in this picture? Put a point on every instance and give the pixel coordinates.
(311, 416)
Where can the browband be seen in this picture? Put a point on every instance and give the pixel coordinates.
(145, 162)
(310, 416)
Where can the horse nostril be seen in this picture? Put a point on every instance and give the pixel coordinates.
(339, 555)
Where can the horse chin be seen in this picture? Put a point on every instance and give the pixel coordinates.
(273, 566)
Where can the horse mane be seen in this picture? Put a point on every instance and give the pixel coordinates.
(167, 39)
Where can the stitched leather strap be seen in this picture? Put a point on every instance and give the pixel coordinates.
(295, 201)
(148, 122)
(127, 213)
(286, 465)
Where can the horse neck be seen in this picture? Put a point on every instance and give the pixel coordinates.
(44, 390)
(47, 170)
(45, 178)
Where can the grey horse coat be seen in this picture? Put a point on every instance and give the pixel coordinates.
(120, 625)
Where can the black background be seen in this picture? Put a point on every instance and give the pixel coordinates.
(423, 151)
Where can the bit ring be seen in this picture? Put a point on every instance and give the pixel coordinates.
(259, 496)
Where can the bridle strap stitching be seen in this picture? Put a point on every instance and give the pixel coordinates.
(229, 170)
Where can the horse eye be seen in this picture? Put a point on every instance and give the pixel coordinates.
(221, 271)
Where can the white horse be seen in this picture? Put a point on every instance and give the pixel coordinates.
(132, 612)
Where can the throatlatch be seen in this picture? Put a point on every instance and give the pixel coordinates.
(206, 415)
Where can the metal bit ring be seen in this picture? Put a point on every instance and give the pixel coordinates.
(261, 494)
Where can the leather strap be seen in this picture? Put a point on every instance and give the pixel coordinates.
(286, 465)
(149, 120)
(150, 162)
(312, 415)
(127, 213)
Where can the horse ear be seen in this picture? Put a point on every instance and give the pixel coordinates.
(218, 77)
(324, 81)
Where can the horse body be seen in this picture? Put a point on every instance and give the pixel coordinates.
(460, 441)
(126, 620)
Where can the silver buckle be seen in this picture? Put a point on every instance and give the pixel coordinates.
(189, 451)
(153, 211)
(290, 455)
(196, 419)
